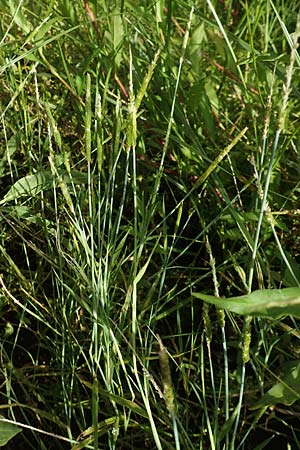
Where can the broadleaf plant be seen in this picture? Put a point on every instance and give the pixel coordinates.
(8, 431)
(285, 391)
(267, 303)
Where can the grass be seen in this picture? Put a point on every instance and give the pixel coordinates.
(149, 151)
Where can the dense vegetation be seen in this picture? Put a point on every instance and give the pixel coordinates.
(149, 150)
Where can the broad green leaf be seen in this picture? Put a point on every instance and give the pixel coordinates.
(117, 34)
(39, 32)
(195, 44)
(287, 391)
(198, 101)
(32, 185)
(7, 431)
(212, 95)
(197, 37)
(18, 16)
(159, 8)
(271, 303)
(44, 28)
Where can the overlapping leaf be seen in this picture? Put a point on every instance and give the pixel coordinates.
(286, 391)
(32, 185)
(270, 303)
(7, 431)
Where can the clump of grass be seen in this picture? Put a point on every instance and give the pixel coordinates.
(149, 151)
